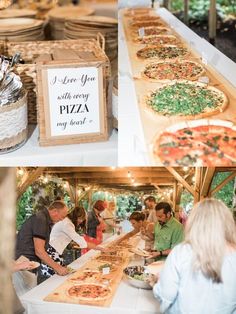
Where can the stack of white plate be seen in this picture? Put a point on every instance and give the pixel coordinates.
(21, 29)
(89, 27)
(58, 16)
(11, 13)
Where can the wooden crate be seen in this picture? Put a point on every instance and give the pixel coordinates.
(31, 51)
(91, 124)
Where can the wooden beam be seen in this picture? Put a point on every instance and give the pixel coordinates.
(165, 197)
(180, 179)
(7, 235)
(209, 174)
(125, 180)
(223, 183)
(32, 177)
(115, 174)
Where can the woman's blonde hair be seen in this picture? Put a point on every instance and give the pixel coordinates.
(210, 228)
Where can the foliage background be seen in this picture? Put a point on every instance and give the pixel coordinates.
(41, 194)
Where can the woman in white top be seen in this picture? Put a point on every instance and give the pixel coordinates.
(62, 234)
(199, 276)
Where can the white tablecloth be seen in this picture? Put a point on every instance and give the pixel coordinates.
(132, 146)
(127, 299)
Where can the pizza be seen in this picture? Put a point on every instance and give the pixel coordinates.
(186, 99)
(145, 18)
(146, 23)
(138, 11)
(110, 258)
(87, 275)
(154, 30)
(198, 143)
(159, 40)
(162, 52)
(89, 292)
(168, 70)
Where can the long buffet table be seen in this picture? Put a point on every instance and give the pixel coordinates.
(127, 299)
(134, 136)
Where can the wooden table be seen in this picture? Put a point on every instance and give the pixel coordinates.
(136, 143)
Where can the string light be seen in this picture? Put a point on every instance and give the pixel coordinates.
(185, 169)
(129, 174)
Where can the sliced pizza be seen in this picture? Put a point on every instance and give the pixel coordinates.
(197, 143)
(145, 18)
(138, 11)
(153, 30)
(165, 71)
(89, 292)
(165, 52)
(186, 99)
(146, 23)
(86, 275)
(110, 258)
(159, 40)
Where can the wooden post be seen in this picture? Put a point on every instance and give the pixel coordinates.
(186, 9)
(90, 194)
(197, 185)
(175, 197)
(7, 236)
(212, 22)
(206, 182)
(166, 4)
(76, 193)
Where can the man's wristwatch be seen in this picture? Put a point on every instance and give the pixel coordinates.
(160, 253)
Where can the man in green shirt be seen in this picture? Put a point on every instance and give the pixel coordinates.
(168, 231)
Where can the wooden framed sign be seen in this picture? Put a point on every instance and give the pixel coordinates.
(72, 102)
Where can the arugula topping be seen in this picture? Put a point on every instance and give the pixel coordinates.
(184, 99)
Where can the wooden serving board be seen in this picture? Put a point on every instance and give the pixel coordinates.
(154, 124)
(112, 280)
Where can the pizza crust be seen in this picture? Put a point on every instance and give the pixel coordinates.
(196, 77)
(205, 114)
